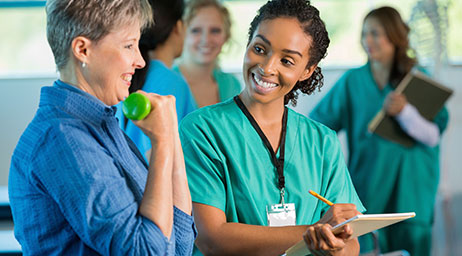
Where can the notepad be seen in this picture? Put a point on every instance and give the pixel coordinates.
(424, 93)
(361, 224)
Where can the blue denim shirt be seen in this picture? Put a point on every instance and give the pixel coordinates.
(76, 182)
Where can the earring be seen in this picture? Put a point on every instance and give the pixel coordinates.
(84, 64)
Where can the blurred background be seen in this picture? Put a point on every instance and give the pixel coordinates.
(26, 64)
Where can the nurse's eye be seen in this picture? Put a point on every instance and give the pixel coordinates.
(258, 49)
(195, 30)
(375, 33)
(215, 31)
(129, 46)
(287, 62)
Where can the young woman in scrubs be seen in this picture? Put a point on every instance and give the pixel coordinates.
(389, 177)
(251, 156)
(208, 28)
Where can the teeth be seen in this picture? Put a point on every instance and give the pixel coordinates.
(127, 78)
(264, 84)
(205, 49)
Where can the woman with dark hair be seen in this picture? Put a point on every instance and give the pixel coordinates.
(389, 177)
(160, 44)
(251, 161)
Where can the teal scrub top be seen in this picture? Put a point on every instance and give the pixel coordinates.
(229, 167)
(388, 177)
(228, 85)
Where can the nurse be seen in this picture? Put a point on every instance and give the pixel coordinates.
(389, 177)
(208, 28)
(251, 161)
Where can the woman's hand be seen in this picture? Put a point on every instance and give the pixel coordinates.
(320, 239)
(394, 103)
(162, 120)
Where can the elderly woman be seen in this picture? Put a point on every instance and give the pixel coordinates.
(77, 185)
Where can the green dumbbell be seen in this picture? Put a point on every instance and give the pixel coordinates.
(136, 106)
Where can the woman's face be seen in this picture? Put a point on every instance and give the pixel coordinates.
(205, 36)
(276, 59)
(112, 62)
(375, 41)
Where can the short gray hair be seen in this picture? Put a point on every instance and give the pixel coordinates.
(94, 19)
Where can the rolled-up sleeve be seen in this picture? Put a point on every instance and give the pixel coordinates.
(185, 232)
(94, 194)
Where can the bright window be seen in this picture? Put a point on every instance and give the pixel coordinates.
(343, 20)
(24, 50)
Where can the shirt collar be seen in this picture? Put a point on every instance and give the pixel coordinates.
(76, 102)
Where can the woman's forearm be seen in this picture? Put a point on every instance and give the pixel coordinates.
(157, 202)
(244, 239)
(181, 194)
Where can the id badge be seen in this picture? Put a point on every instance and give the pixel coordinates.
(281, 215)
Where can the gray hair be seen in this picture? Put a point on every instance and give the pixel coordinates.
(94, 19)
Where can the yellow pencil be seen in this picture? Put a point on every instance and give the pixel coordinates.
(320, 197)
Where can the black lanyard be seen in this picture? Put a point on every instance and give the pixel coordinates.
(278, 162)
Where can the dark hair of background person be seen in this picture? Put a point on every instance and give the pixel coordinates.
(308, 16)
(166, 14)
(397, 32)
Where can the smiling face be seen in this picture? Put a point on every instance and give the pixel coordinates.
(276, 59)
(111, 64)
(375, 41)
(205, 36)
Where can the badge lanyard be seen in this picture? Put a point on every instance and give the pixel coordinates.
(277, 162)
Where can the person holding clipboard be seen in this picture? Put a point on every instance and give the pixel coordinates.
(250, 160)
(388, 176)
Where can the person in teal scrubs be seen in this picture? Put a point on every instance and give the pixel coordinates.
(251, 152)
(208, 28)
(159, 45)
(389, 177)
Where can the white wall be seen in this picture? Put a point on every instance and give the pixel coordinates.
(17, 108)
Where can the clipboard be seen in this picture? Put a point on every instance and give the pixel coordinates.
(361, 224)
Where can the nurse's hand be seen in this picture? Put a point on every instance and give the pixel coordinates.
(161, 123)
(339, 213)
(321, 241)
(394, 103)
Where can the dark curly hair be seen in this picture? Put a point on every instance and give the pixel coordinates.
(308, 16)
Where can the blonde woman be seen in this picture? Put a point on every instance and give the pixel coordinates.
(208, 28)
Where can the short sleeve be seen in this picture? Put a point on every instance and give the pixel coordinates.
(204, 167)
(441, 119)
(340, 188)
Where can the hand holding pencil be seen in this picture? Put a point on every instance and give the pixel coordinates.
(319, 236)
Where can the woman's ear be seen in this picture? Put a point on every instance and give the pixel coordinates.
(179, 28)
(80, 48)
(308, 72)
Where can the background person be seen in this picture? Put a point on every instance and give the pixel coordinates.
(250, 153)
(388, 176)
(160, 44)
(77, 185)
(208, 28)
